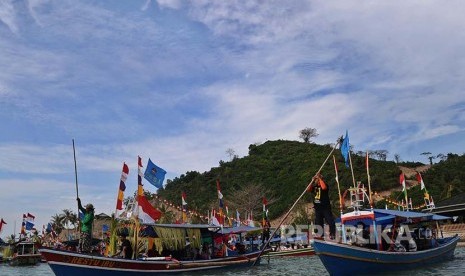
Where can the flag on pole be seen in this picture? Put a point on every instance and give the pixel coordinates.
(147, 213)
(404, 188)
(219, 216)
(1, 224)
(367, 160)
(345, 147)
(220, 195)
(30, 217)
(29, 225)
(122, 188)
(140, 189)
(184, 207)
(154, 174)
(402, 181)
(264, 216)
(238, 218)
(420, 180)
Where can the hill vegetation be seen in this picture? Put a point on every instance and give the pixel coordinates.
(280, 171)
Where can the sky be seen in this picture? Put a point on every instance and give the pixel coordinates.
(181, 82)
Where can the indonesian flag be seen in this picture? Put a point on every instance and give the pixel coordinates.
(1, 224)
(140, 174)
(122, 187)
(420, 180)
(402, 181)
(147, 213)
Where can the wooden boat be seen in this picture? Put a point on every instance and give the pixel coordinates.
(289, 252)
(25, 253)
(72, 263)
(346, 258)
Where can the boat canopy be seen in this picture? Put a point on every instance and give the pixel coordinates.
(239, 229)
(385, 217)
(409, 215)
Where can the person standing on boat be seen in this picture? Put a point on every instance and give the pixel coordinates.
(322, 205)
(85, 238)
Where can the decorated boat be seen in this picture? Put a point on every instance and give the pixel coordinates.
(183, 248)
(415, 247)
(25, 253)
(289, 252)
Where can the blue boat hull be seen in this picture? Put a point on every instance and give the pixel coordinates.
(341, 259)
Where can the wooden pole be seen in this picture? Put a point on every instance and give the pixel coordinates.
(76, 180)
(295, 203)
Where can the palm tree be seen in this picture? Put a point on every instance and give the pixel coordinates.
(57, 223)
(68, 218)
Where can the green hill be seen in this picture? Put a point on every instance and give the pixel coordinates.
(279, 170)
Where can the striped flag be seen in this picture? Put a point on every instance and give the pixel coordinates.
(140, 189)
(122, 188)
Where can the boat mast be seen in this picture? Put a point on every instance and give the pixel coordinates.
(295, 203)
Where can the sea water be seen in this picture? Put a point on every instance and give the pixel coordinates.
(306, 265)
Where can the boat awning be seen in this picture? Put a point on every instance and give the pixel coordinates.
(239, 229)
(409, 215)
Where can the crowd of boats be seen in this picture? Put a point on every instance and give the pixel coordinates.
(367, 241)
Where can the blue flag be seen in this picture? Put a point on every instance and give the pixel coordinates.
(154, 174)
(29, 225)
(49, 228)
(105, 228)
(345, 147)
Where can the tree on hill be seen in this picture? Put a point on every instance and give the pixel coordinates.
(307, 134)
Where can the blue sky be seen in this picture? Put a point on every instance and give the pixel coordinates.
(180, 82)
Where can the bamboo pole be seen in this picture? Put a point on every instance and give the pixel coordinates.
(295, 203)
(76, 181)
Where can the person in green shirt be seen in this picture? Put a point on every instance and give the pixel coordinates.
(85, 238)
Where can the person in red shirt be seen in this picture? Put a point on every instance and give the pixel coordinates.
(322, 205)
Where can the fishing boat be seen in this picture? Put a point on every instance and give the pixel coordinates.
(25, 253)
(283, 251)
(184, 257)
(347, 258)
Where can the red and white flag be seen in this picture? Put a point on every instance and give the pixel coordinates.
(147, 213)
(402, 181)
(420, 180)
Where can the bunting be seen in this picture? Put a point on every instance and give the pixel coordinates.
(122, 188)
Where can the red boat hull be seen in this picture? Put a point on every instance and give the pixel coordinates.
(72, 263)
